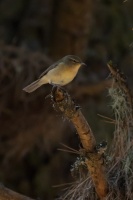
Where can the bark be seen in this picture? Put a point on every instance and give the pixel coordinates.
(94, 159)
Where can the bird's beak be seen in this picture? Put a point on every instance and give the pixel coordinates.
(83, 65)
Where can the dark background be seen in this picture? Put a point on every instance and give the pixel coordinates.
(34, 34)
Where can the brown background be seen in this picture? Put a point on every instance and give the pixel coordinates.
(34, 34)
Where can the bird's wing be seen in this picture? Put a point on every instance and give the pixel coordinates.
(48, 69)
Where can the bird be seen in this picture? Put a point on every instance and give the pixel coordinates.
(60, 73)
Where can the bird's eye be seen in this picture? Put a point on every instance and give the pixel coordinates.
(74, 61)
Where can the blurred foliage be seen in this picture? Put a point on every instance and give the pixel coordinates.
(112, 34)
(32, 34)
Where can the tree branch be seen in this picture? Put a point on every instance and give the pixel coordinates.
(7, 194)
(94, 160)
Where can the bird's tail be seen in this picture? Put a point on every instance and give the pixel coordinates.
(33, 86)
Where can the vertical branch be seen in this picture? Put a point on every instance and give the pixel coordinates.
(121, 167)
(94, 160)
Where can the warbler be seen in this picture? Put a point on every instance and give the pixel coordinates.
(60, 73)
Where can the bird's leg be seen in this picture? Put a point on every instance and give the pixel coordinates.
(56, 86)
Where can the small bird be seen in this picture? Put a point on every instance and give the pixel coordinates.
(60, 73)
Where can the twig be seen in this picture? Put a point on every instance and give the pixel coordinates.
(107, 119)
(68, 149)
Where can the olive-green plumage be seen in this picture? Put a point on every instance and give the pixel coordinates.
(60, 73)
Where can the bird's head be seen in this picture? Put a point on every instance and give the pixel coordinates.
(72, 60)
